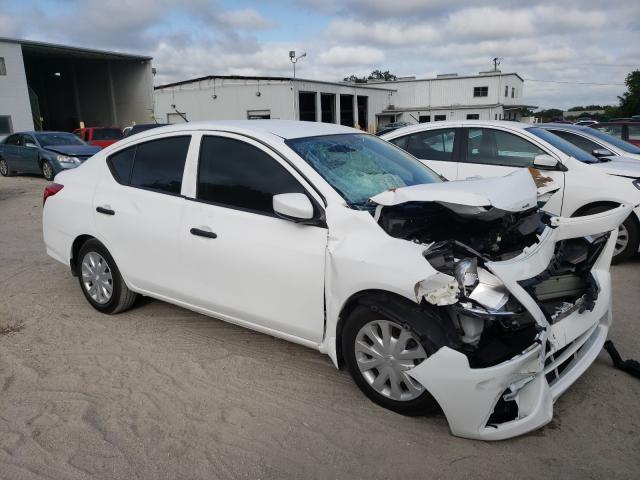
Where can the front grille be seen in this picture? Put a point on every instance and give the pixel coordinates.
(556, 363)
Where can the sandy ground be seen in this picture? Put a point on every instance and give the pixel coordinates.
(161, 392)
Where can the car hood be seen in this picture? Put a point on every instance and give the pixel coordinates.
(513, 193)
(71, 150)
(621, 166)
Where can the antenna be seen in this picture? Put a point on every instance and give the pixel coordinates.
(496, 62)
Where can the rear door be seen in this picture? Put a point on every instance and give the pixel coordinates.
(436, 148)
(138, 210)
(240, 260)
(493, 152)
(10, 150)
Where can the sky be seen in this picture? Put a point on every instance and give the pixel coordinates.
(570, 52)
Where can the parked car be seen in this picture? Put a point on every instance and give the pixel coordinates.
(99, 136)
(42, 152)
(585, 123)
(468, 149)
(629, 131)
(390, 127)
(143, 127)
(593, 141)
(458, 294)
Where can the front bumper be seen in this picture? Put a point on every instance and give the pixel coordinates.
(535, 378)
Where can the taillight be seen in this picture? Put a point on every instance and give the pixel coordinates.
(50, 190)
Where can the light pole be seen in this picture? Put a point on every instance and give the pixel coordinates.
(294, 60)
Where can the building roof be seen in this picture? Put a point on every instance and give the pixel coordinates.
(444, 77)
(45, 48)
(266, 78)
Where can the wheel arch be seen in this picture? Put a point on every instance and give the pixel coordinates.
(608, 204)
(77, 244)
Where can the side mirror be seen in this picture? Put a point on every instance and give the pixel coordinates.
(30, 145)
(601, 152)
(545, 162)
(293, 206)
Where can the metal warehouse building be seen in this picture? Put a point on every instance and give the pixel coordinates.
(55, 87)
(241, 97)
(489, 95)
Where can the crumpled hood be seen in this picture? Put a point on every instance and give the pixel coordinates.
(621, 166)
(515, 192)
(73, 150)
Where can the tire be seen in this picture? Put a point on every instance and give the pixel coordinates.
(47, 170)
(5, 170)
(359, 327)
(628, 240)
(96, 272)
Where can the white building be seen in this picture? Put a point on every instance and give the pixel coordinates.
(240, 97)
(44, 86)
(487, 96)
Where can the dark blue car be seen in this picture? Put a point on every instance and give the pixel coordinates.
(42, 152)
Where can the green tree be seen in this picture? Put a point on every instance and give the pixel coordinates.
(375, 75)
(630, 100)
(355, 79)
(549, 114)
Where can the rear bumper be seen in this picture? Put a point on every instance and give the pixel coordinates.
(535, 378)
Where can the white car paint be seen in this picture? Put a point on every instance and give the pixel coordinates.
(292, 280)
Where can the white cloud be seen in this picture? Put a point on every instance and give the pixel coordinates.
(248, 19)
(490, 22)
(382, 33)
(349, 56)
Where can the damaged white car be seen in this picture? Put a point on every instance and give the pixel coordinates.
(454, 295)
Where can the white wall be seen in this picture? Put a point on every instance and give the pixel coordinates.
(14, 95)
(132, 83)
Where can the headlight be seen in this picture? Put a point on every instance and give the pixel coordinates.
(67, 160)
(636, 183)
(466, 273)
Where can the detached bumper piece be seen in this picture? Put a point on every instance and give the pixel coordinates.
(632, 367)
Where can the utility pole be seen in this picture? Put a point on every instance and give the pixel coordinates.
(294, 60)
(496, 62)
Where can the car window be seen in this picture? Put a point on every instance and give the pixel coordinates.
(634, 132)
(50, 139)
(613, 130)
(431, 144)
(107, 134)
(496, 147)
(621, 144)
(121, 164)
(15, 140)
(236, 174)
(579, 141)
(159, 164)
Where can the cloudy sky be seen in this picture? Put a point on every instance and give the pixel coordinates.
(578, 51)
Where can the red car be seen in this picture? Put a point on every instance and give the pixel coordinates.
(626, 130)
(99, 136)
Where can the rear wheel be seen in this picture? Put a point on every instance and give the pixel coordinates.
(100, 279)
(5, 171)
(379, 352)
(47, 170)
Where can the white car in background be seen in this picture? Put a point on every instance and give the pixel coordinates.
(461, 295)
(572, 182)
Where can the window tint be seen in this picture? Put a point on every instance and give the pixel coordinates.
(401, 142)
(432, 144)
(13, 140)
(234, 173)
(159, 164)
(121, 164)
(107, 134)
(580, 142)
(613, 130)
(495, 147)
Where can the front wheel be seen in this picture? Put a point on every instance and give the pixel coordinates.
(100, 279)
(628, 240)
(379, 352)
(47, 170)
(5, 171)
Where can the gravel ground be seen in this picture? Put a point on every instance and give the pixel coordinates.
(161, 392)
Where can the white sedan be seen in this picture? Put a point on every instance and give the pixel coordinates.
(457, 295)
(583, 183)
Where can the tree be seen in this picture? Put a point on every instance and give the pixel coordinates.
(375, 75)
(355, 79)
(549, 114)
(630, 100)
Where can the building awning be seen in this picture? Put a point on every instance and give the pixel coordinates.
(518, 107)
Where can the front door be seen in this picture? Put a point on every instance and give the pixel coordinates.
(491, 152)
(29, 154)
(241, 261)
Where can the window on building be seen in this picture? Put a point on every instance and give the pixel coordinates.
(506, 91)
(328, 107)
(159, 164)
(307, 106)
(480, 91)
(258, 114)
(5, 124)
(495, 117)
(473, 116)
(238, 175)
(513, 92)
(495, 147)
(429, 145)
(439, 118)
(3, 67)
(424, 118)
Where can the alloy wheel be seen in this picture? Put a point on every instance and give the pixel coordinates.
(4, 168)
(623, 239)
(384, 352)
(97, 278)
(47, 171)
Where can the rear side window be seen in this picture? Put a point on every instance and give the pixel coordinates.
(238, 175)
(431, 144)
(156, 165)
(613, 130)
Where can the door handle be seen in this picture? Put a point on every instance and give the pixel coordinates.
(203, 233)
(105, 211)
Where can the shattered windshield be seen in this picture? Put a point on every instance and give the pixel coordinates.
(359, 166)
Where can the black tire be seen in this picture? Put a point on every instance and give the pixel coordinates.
(121, 297)
(5, 170)
(633, 231)
(47, 170)
(361, 316)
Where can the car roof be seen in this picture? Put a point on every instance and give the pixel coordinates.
(286, 129)
(566, 126)
(416, 127)
(33, 132)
